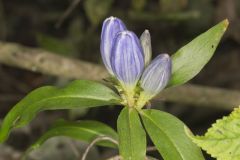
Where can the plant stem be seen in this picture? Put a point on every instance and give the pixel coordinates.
(98, 139)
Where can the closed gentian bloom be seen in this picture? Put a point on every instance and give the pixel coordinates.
(147, 47)
(127, 59)
(156, 76)
(111, 26)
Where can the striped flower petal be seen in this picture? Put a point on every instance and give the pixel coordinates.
(156, 76)
(147, 47)
(127, 59)
(111, 26)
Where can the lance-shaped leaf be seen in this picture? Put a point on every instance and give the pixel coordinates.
(222, 139)
(82, 130)
(127, 59)
(190, 59)
(168, 135)
(111, 26)
(79, 93)
(132, 138)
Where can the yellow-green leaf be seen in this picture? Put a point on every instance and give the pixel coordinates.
(222, 140)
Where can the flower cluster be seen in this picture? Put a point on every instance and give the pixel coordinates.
(128, 59)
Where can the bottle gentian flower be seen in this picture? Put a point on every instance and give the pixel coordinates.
(111, 26)
(127, 59)
(155, 78)
(127, 62)
(125, 56)
(122, 55)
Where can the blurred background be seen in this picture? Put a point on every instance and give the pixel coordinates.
(71, 28)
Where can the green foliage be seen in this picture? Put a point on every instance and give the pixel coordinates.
(97, 10)
(172, 5)
(167, 134)
(83, 130)
(79, 93)
(55, 45)
(222, 139)
(132, 138)
(190, 59)
(138, 4)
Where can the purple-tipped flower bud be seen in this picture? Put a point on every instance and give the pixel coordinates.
(147, 47)
(127, 59)
(156, 76)
(111, 26)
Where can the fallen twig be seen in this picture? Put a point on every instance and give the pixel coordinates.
(45, 62)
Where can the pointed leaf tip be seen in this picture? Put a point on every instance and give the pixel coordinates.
(188, 132)
(226, 23)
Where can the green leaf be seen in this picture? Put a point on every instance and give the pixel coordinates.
(138, 4)
(55, 45)
(167, 133)
(222, 139)
(96, 10)
(83, 130)
(190, 59)
(132, 137)
(172, 5)
(79, 93)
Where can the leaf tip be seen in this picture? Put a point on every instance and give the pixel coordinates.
(188, 132)
(186, 129)
(225, 23)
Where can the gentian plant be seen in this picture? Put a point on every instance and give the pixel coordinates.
(136, 79)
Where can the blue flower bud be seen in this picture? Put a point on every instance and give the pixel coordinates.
(147, 47)
(111, 26)
(156, 76)
(127, 59)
